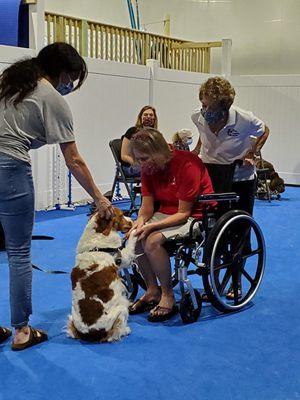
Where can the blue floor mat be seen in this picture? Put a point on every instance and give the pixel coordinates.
(253, 354)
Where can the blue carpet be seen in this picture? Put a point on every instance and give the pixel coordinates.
(254, 354)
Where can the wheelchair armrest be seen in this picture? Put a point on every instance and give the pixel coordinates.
(231, 196)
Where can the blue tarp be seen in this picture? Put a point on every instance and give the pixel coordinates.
(13, 23)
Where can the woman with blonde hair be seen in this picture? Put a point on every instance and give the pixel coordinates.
(146, 117)
(182, 139)
(174, 179)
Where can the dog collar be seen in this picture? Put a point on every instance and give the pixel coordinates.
(111, 250)
(106, 249)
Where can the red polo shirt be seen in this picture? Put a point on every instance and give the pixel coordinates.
(184, 178)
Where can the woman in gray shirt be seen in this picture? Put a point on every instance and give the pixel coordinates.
(34, 113)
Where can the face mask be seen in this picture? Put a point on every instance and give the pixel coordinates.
(148, 122)
(65, 89)
(212, 117)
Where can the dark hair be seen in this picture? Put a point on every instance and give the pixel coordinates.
(20, 79)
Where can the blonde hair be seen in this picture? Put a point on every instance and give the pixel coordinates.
(150, 141)
(139, 124)
(219, 90)
(182, 134)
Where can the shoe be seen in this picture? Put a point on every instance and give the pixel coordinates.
(140, 306)
(5, 333)
(36, 336)
(161, 314)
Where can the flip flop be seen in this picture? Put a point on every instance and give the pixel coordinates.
(5, 333)
(36, 336)
(140, 306)
(166, 313)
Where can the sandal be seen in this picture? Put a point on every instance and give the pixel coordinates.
(36, 336)
(160, 314)
(140, 306)
(230, 293)
(5, 333)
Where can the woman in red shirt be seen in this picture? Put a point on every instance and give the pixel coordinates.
(174, 179)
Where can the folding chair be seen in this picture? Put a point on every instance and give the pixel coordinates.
(262, 189)
(129, 182)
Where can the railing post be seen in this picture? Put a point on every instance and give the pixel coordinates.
(167, 25)
(36, 23)
(83, 40)
(226, 57)
(153, 65)
(60, 30)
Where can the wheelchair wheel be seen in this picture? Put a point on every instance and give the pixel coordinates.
(187, 311)
(235, 258)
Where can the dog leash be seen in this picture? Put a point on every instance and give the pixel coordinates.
(49, 271)
(111, 250)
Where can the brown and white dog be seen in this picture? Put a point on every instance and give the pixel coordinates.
(99, 302)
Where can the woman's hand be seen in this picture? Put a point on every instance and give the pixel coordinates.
(144, 231)
(104, 207)
(136, 225)
(249, 159)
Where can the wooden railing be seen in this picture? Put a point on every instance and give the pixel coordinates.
(108, 42)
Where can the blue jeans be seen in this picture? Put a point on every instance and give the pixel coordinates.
(16, 217)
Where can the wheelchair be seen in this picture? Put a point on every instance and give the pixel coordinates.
(227, 252)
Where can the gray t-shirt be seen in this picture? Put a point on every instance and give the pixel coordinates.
(43, 117)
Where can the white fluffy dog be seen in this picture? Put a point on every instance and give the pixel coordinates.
(99, 302)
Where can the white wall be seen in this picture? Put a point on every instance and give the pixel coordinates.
(114, 12)
(265, 33)
(108, 103)
(275, 99)
(104, 108)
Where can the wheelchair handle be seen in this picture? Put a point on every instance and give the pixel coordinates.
(231, 196)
